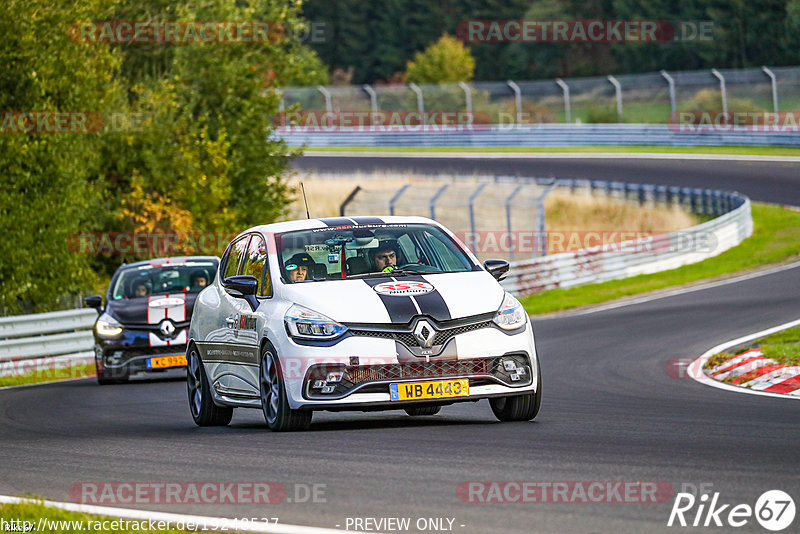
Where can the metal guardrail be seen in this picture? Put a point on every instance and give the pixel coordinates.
(648, 255)
(538, 135)
(40, 335)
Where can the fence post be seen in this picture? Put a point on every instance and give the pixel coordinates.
(541, 222)
(618, 91)
(434, 198)
(673, 113)
(517, 99)
(564, 87)
(468, 96)
(509, 200)
(373, 98)
(774, 83)
(472, 198)
(327, 95)
(420, 103)
(395, 198)
(721, 79)
(349, 199)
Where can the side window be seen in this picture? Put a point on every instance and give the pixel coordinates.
(234, 257)
(254, 263)
(409, 249)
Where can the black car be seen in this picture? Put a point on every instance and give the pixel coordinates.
(147, 313)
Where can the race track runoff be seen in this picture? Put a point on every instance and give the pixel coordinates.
(613, 410)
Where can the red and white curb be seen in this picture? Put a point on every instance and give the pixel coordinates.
(751, 371)
(212, 523)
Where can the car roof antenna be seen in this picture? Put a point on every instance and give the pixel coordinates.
(303, 189)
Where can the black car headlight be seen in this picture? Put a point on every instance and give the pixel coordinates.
(107, 327)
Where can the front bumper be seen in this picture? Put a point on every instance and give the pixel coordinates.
(131, 351)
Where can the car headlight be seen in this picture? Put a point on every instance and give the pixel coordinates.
(107, 327)
(511, 314)
(308, 324)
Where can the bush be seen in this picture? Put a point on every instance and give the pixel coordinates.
(447, 60)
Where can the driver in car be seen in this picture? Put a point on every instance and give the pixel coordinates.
(297, 266)
(385, 257)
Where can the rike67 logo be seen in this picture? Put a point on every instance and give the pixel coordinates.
(774, 510)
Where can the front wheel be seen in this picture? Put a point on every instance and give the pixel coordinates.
(274, 399)
(519, 407)
(204, 411)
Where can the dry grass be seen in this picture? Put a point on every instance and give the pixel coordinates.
(565, 212)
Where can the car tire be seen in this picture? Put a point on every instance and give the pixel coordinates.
(274, 399)
(519, 407)
(422, 410)
(201, 404)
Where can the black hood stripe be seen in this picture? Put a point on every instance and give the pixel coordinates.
(431, 304)
(338, 221)
(401, 309)
(368, 220)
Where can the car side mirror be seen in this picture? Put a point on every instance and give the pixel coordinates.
(497, 268)
(242, 286)
(95, 301)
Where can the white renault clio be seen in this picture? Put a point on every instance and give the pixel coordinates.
(361, 313)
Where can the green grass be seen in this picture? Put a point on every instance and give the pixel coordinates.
(775, 239)
(783, 346)
(725, 150)
(33, 511)
(48, 375)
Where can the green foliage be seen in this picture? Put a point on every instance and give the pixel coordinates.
(602, 115)
(198, 157)
(447, 60)
(711, 100)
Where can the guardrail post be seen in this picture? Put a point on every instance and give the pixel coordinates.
(721, 79)
(434, 198)
(472, 198)
(327, 95)
(373, 98)
(565, 88)
(468, 96)
(618, 91)
(396, 196)
(774, 82)
(673, 110)
(517, 99)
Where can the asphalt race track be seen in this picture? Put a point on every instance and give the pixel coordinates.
(766, 181)
(611, 412)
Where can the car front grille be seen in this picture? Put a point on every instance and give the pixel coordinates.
(406, 336)
(375, 378)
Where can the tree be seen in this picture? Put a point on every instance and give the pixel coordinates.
(447, 60)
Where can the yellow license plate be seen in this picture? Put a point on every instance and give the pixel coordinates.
(440, 389)
(161, 362)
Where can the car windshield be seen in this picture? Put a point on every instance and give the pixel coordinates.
(146, 280)
(367, 250)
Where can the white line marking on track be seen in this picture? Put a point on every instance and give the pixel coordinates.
(219, 523)
(555, 155)
(695, 370)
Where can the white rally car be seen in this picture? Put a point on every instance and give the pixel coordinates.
(361, 313)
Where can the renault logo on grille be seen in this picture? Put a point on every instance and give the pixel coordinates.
(167, 327)
(424, 334)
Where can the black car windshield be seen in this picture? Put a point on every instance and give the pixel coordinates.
(146, 280)
(367, 250)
